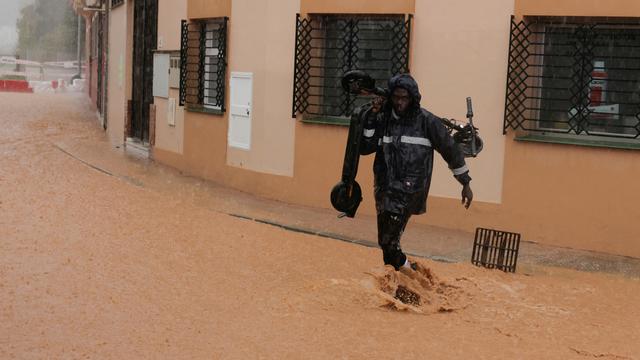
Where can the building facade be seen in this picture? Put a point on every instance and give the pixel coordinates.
(246, 93)
(95, 52)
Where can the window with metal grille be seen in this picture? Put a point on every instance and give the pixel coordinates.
(575, 76)
(203, 64)
(327, 46)
(115, 3)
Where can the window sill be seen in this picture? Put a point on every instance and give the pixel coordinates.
(599, 143)
(327, 120)
(204, 110)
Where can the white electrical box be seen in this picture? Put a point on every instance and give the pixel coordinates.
(174, 71)
(161, 75)
(241, 86)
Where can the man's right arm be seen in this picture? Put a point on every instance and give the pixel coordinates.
(369, 142)
(371, 131)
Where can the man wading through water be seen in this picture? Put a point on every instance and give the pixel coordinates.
(403, 135)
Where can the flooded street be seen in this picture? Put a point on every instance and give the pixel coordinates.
(95, 264)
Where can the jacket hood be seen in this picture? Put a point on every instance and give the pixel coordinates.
(407, 82)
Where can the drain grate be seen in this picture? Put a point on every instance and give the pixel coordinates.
(496, 249)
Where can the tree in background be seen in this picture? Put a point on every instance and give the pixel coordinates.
(47, 31)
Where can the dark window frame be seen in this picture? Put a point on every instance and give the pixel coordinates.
(328, 45)
(116, 3)
(552, 68)
(203, 65)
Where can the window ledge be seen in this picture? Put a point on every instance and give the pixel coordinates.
(611, 144)
(203, 110)
(327, 120)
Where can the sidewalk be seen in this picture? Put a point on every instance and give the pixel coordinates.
(418, 240)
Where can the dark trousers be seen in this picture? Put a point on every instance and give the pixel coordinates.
(390, 229)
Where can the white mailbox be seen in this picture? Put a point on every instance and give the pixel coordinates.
(161, 75)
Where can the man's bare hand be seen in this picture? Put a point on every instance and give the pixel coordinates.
(467, 196)
(376, 104)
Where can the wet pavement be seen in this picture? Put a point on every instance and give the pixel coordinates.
(106, 255)
(89, 147)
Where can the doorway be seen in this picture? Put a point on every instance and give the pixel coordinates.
(145, 37)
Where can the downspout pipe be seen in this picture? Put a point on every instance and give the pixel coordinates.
(105, 40)
(79, 49)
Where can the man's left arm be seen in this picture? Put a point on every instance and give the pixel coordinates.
(452, 154)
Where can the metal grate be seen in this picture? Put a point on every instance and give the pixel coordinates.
(203, 64)
(327, 46)
(115, 3)
(496, 249)
(577, 76)
(183, 61)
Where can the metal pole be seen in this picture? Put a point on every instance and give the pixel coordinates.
(79, 47)
(105, 42)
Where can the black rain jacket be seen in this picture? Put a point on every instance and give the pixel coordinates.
(404, 152)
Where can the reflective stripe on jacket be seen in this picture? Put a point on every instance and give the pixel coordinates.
(404, 148)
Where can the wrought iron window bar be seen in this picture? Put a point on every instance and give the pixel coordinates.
(578, 76)
(327, 46)
(203, 63)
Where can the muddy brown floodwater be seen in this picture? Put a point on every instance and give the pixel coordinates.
(94, 266)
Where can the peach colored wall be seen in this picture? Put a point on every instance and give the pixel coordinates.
(357, 6)
(546, 196)
(468, 58)
(572, 196)
(568, 196)
(119, 87)
(623, 8)
(319, 149)
(556, 194)
(202, 9)
(169, 137)
(204, 156)
(271, 61)
(170, 15)
(575, 196)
